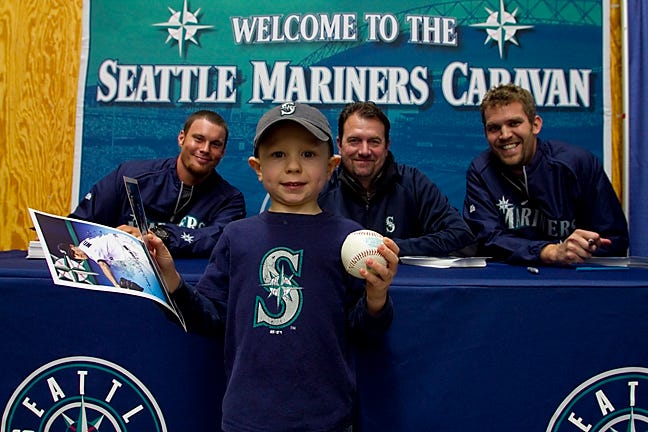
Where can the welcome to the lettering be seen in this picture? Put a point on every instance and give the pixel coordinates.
(341, 27)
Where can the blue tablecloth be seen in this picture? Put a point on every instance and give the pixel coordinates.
(495, 348)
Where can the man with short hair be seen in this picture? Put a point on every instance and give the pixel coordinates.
(396, 200)
(186, 201)
(535, 201)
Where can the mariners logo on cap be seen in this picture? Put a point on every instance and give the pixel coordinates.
(288, 108)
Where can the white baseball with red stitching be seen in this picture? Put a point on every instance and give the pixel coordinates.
(357, 247)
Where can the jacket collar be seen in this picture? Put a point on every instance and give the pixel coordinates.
(385, 177)
(541, 149)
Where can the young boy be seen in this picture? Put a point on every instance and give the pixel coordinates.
(276, 286)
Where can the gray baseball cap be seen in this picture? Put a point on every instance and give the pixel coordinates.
(307, 116)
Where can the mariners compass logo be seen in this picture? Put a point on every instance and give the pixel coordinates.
(183, 26)
(69, 269)
(83, 394)
(501, 27)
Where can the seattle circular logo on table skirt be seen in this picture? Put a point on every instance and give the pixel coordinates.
(82, 394)
(615, 400)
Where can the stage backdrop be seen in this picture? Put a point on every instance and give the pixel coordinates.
(147, 64)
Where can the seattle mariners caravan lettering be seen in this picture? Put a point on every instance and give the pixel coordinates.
(278, 271)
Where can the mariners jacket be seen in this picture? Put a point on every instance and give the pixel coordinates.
(405, 206)
(193, 230)
(562, 189)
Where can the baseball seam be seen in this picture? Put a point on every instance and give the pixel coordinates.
(364, 254)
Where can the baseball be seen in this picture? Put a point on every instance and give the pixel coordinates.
(357, 247)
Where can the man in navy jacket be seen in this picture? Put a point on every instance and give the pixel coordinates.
(393, 199)
(186, 201)
(534, 201)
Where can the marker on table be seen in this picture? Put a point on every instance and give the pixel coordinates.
(533, 270)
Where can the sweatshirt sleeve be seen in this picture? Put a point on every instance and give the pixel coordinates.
(602, 212)
(102, 203)
(444, 230)
(204, 306)
(367, 329)
(201, 315)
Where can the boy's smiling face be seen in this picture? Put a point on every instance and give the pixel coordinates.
(293, 166)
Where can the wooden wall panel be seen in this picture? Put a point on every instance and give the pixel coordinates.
(618, 117)
(40, 43)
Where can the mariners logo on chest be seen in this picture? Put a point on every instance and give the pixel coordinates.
(82, 394)
(279, 274)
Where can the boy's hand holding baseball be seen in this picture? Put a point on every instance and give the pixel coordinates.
(380, 277)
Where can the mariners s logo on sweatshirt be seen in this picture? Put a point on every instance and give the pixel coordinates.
(278, 274)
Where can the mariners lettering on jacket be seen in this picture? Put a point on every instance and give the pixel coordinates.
(187, 222)
(82, 394)
(282, 303)
(520, 217)
(191, 222)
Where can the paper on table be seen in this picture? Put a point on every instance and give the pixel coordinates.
(631, 261)
(444, 262)
(35, 250)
